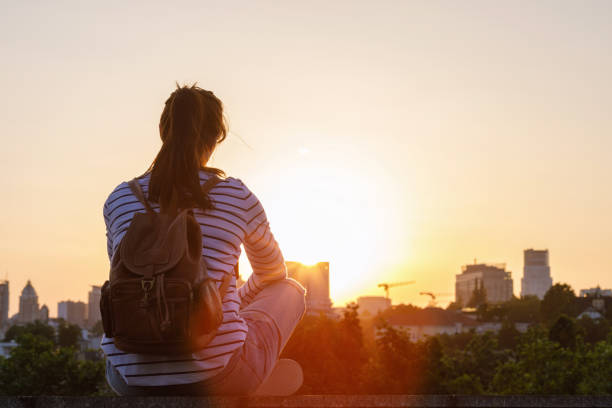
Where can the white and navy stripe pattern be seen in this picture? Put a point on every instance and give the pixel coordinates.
(237, 218)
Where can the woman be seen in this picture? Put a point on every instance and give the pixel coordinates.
(259, 316)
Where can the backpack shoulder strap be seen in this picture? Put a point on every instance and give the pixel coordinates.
(135, 187)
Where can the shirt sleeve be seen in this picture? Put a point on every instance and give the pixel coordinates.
(263, 253)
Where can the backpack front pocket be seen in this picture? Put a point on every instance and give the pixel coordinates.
(151, 313)
(105, 310)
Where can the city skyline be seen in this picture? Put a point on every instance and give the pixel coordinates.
(396, 140)
(323, 292)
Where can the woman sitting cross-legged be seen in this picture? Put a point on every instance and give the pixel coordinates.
(147, 340)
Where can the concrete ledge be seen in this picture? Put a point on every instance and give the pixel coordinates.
(308, 401)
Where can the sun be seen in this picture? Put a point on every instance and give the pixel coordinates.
(323, 211)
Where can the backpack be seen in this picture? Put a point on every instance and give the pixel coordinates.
(159, 298)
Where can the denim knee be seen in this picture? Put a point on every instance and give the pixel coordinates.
(292, 291)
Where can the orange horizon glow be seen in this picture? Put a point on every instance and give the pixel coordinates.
(396, 140)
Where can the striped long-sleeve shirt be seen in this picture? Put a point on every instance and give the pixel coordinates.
(237, 218)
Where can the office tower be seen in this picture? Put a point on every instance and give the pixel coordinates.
(43, 314)
(93, 306)
(494, 279)
(315, 279)
(28, 305)
(72, 312)
(4, 303)
(536, 273)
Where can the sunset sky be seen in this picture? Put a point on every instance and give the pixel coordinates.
(396, 140)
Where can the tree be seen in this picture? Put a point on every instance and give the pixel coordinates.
(479, 295)
(594, 330)
(525, 309)
(475, 364)
(434, 373)
(508, 336)
(560, 299)
(398, 364)
(454, 306)
(330, 352)
(564, 332)
(464, 384)
(37, 367)
(540, 366)
(68, 335)
(598, 370)
(37, 329)
(486, 312)
(456, 342)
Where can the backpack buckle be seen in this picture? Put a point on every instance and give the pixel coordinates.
(147, 284)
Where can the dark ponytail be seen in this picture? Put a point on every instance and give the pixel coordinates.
(191, 124)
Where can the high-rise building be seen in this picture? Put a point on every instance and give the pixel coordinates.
(536, 273)
(93, 305)
(4, 304)
(43, 314)
(72, 312)
(494, 279)
(315, 279)
(28, 305)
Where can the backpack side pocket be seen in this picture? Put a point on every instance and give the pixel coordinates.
(105, 310)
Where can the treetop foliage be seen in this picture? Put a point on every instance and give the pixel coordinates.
(559, 354)
(47, 362)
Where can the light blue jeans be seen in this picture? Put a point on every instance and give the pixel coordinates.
(271, 318)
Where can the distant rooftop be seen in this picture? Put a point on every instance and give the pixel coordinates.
(536, 257)
(596, 292)
(28, 291)
(483, 267)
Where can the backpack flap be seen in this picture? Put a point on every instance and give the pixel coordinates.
(155, 243)
(160, 299)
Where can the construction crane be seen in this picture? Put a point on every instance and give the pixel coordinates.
(432, 302)
(386, 286)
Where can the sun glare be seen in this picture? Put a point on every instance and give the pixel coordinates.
(322, 210)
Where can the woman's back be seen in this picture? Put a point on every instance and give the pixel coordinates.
(236, 218)
(260, 315)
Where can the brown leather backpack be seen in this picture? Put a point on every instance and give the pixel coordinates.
(159, 298)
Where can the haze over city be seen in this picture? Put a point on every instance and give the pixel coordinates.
(396, 140)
